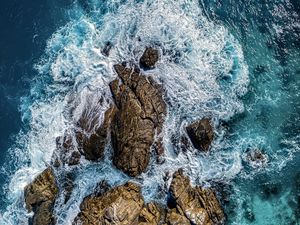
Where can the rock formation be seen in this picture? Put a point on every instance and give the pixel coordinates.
(201, 134)
(135, 121)
(139, 116)
(124, 205)
(120, 206)
(92, 146)
(196, 204)
(90, 143)
(40, 197)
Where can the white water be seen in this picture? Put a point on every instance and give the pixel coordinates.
(205, 78)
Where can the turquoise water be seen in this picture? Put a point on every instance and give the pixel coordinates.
(235, 62)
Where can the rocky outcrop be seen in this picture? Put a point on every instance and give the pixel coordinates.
(120, 206)
(196, 204)
(86, 141)
(201, 134)
(125, 205)
(92, 145)
(139, 116)
(40, 196)
(149, 58)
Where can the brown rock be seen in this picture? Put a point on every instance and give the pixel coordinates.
(120, 206)
(92, 146)
(149, 58)
(139, 116)
(201, 134)
(151, 214)
(198, 205)
(40, 196)
(174, 218)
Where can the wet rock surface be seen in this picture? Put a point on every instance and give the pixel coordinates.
(121, 205)
(139, 116)
(92, 145)
(149, 58)
(151, 214)
(201, 134)
(197, 204)
(40, 196)
(125, 205)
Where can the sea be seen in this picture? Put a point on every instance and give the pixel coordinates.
(236, 62)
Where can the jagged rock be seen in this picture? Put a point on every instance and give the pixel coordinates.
(149, 58)
(139, 116)
(151, 214)
(65, 152)
(120, 206)
(92, 146)
(198, 205)
(174, 218)
(40, 196)
(201, 134)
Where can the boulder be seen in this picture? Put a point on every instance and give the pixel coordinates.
(149, 58)
(40, 196)
(197, 204)
(139, 116)
(201, 134)
(120, 206)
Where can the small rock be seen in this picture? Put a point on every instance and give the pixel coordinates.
(105, 51)
(149, 58)
(256, 158)
(201, 134)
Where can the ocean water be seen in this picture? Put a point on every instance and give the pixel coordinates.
(236, 62)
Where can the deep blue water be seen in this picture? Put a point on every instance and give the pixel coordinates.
(235, 61)
(25, 27)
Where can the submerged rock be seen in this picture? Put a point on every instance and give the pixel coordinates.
(257, 158)
(40, 196)
(139, 116)
(149, 58)
(197, 204)
(201, 134)
(120, 206)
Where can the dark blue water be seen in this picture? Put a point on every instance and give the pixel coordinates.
(238, 62)
(25, 27)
